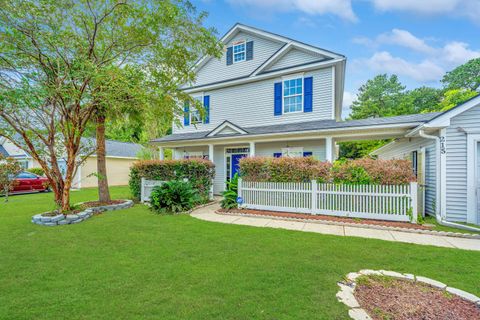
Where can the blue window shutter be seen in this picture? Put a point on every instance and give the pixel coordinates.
(308, 154)
(277, 155)
(308, 94)
(229, 56)
(206, 105)
(186, 114)
(249, 50)
(278, 99)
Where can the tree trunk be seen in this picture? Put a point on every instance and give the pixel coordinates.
(103, 192)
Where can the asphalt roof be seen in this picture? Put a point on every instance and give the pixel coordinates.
(117, 148)
(413, 119)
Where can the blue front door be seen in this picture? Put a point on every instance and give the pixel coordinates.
(235, 163)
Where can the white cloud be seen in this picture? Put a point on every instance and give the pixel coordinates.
(456, 53)
(465, 8)
(348, 99)
(384, 62)
(405, 39)
(341, 8)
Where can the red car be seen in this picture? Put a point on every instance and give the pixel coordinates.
(29, 182)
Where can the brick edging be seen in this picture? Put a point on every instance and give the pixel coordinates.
(358, 225)
(62, 219)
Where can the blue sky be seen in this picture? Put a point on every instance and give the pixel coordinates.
(419, 40)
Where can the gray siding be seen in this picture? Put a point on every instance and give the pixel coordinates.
(295, 57)
(217, 70)
(252, 104)
(456, 144)
(402, 149)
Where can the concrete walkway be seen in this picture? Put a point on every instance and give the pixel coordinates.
(208, 213)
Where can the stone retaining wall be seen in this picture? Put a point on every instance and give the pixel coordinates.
(78, 217)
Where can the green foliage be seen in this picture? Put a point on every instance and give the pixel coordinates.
(359, 149)
(466, 76)
(174, 196)
(230, 195)
(38, 171)
(454, 97)
(359, 171)
(421, 100)
(9, 168)
(197, 171)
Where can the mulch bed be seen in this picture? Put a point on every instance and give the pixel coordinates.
(327, 218)
(85, 205)
(400, 299)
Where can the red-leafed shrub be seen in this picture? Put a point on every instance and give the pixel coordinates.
(284, 169)
(360, 171)
(198, 172)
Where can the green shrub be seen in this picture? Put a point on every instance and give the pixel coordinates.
(38, 171)
(360, 171)
(174, 196)
(198, 172)
(230, 195)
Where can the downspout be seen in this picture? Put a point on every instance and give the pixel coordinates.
(439, 209)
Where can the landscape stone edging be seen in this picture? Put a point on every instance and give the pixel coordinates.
(361, 225)
(347, 288)
(61, 219)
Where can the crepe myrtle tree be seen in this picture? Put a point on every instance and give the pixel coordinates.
(58, 75)
(9, 168)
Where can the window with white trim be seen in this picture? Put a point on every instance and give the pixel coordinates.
(293, 95)
(295, 152)
(239, 51)
(195, 116)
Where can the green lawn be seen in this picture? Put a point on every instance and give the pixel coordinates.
(133, 264)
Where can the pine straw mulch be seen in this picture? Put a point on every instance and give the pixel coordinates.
(327, 218)
(400, 299)
(83, 206)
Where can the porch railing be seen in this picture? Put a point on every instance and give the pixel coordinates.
(147, 187)
(382, 202)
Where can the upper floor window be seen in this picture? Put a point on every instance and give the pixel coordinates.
(195, 116)
(239, 52)
(293, 95)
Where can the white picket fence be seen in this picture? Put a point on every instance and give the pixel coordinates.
(381, 202)
(147, 187)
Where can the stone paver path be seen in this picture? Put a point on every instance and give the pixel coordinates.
(208, 213)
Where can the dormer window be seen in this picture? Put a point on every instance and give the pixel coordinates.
(239, 51)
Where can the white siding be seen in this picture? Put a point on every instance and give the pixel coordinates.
(402, 149)
(317, 147)
(252, 104)
(456, 144)
(217, 70)
(295, 57)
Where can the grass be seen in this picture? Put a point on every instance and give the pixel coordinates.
(133, 264)
(439, 227)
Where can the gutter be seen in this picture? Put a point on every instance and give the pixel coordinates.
(440, 212)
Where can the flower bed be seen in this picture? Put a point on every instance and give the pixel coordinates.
(383, 294)
(87, 210)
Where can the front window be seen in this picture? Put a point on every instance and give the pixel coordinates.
(296, 152)
(292, 95)
(239, 52)
(195, 116)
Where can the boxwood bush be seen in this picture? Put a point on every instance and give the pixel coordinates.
(198, 172)
(360, 171)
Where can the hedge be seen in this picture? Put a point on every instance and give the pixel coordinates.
(360, 171)
(199, 173)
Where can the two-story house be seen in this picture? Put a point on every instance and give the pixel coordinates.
(269, 95)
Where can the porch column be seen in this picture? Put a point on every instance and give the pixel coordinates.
(329, 149)
(252, 149)
(161, 153)
(210, 157)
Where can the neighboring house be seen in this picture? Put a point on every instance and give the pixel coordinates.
(120, 156)
(447, 150)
